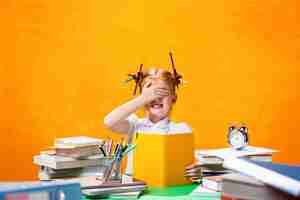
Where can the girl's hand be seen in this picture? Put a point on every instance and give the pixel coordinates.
(154, 91)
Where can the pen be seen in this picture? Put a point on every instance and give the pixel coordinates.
(110, 145)
(117, 148)
(102, 150)
(129, 148)
(117, 161)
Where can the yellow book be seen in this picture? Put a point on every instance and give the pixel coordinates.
(160, 160)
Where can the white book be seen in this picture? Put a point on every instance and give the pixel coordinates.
(46, 173)
(283, 177)
(210, 160)
(201, 159)
(226, 153)
(77, 141)
(61, 162)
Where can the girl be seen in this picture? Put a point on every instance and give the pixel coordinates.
(158, 96)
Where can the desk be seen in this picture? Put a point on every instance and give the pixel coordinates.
(169, 193)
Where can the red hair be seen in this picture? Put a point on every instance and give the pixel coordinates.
(162, 74)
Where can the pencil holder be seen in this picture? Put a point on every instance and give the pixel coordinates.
(111, 170)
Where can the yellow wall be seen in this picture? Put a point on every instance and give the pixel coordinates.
(62, 63)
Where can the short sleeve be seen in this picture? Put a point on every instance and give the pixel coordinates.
(132, 120)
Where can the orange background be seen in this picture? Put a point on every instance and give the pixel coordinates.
(62, 63)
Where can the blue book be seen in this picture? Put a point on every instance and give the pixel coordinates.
(58, 190)
(281, 176)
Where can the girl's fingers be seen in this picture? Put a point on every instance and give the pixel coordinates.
(162, 89)
(162, 93)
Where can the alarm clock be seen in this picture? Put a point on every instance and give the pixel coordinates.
(238, 137)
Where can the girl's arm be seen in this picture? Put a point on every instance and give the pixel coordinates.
(116, 120)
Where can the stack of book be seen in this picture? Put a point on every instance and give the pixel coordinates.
(71, 157)
(91, 162)
(198, 172)
(260, 180)
(208, 170)
(209, 162)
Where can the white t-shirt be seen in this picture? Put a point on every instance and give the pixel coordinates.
(163, 127)
(145, 126)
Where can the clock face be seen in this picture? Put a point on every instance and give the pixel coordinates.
(237, 139)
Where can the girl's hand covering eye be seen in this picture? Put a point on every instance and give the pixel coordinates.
(154, 91)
